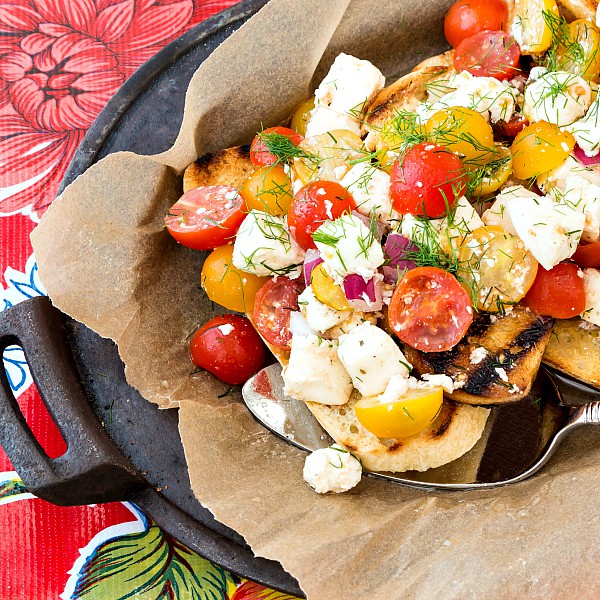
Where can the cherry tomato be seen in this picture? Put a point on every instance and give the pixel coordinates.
(588, 255)
(404, 417)
(229, 348)
(558, 293)
(579, 52)
(430, 310)
(531, 19)
(274, 302)
(495, 174)
(226, 285)
(428, 181)
(302, 115)
(488, 54)
(206, 217)
(268, 189)
(497, 266)
(326, 290)
(539, 148)
(314, 204)
(468, 17)
(259, 149)
(511, 128)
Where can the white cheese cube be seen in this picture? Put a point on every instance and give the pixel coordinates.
(370, 188)
(498, 214)
(461, 221)
(422, 231)
(371, 358)
(315, 373)
(557, 97)
(319, 316)
(548, 229)
(343, 96)
(331, 469)
(264, 246)
(587, 130)
(356, 319)
(591, 282)
(347, 246)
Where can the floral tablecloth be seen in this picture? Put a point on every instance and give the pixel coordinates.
(60, 62)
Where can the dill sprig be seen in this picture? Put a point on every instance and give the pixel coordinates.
(284, 149)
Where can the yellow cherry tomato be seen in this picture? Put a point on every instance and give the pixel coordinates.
(496, 266)
(492, 176)
(578, 48)
(268, 189)
(302, 115)
(326, 290)
(530, 26)
(327, 155)
(226, 285)
(538, 148)
(463, 131)
(409, 415)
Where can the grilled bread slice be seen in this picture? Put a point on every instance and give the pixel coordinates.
(514, 343)
(579, 9)
(574, 348)
(227, 167)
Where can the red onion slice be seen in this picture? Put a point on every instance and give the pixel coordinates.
(362, 295)
(584, 159)
(311, 260)
(396, 248)
(380, 227)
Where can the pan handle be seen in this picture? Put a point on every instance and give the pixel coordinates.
(92, 469)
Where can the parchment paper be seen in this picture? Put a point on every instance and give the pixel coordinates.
(106, 260)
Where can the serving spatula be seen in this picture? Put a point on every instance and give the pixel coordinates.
(518, 439)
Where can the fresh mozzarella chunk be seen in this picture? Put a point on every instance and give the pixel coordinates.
(493, 99)
(498, 214)
(372, 358)
(591, 283)
(579, 188)
(587, 130)
(550, 230)
(343, 96)
(315, 373)
(347, 246)
(455, 226)
(264, 246)
(319, 316)
(557, 97)
(370, 188)
(332, 469)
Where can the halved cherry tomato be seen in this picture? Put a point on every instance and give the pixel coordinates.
(228, 347)
(558, 293)
(326, 290)
(511, 128)
(226, 285)
(404, 417)
(206, 217)
(578, 49)
(273, 304)
(531, 18)
(268, 189)
(488, 54)
(539, 148)
(588, 255)
(302, 115)
(314, 204)
(428, 181)
(468, 17)
(430, 310)
(260, 155)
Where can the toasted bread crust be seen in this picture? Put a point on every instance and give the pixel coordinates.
(579, 9)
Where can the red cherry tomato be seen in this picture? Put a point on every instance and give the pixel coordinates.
(206, 217)
(468, 17)
(428, 182)
(314, 204)
(430, 310)
(272, 306)
(229, 348)
(511, 128)
(558, 293)
(587, 255)
(488, 54)
(259, 153)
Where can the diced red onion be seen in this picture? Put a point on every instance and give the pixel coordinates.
(392, 274)
(585, 160)
(380, 227)
(362, 295)
(396, 248)
(311, 260)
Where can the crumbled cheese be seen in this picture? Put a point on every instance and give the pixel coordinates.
(591, 283)
(226, 328)
(477, 355)
(332, 469)
(342, 97)
(314, 372)
(459, 222)
(440, 380)
(264, 246)
(319, 316)
(501, 373)
(356, 319)
(371, 358)
(558, 97)
(587, 130)
(498, 215)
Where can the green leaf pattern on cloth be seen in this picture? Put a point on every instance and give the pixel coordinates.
(150, 565)
(11, 488)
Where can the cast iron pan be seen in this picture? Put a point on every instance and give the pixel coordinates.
(121, 447)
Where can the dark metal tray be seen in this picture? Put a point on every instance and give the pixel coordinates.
(80, 375)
